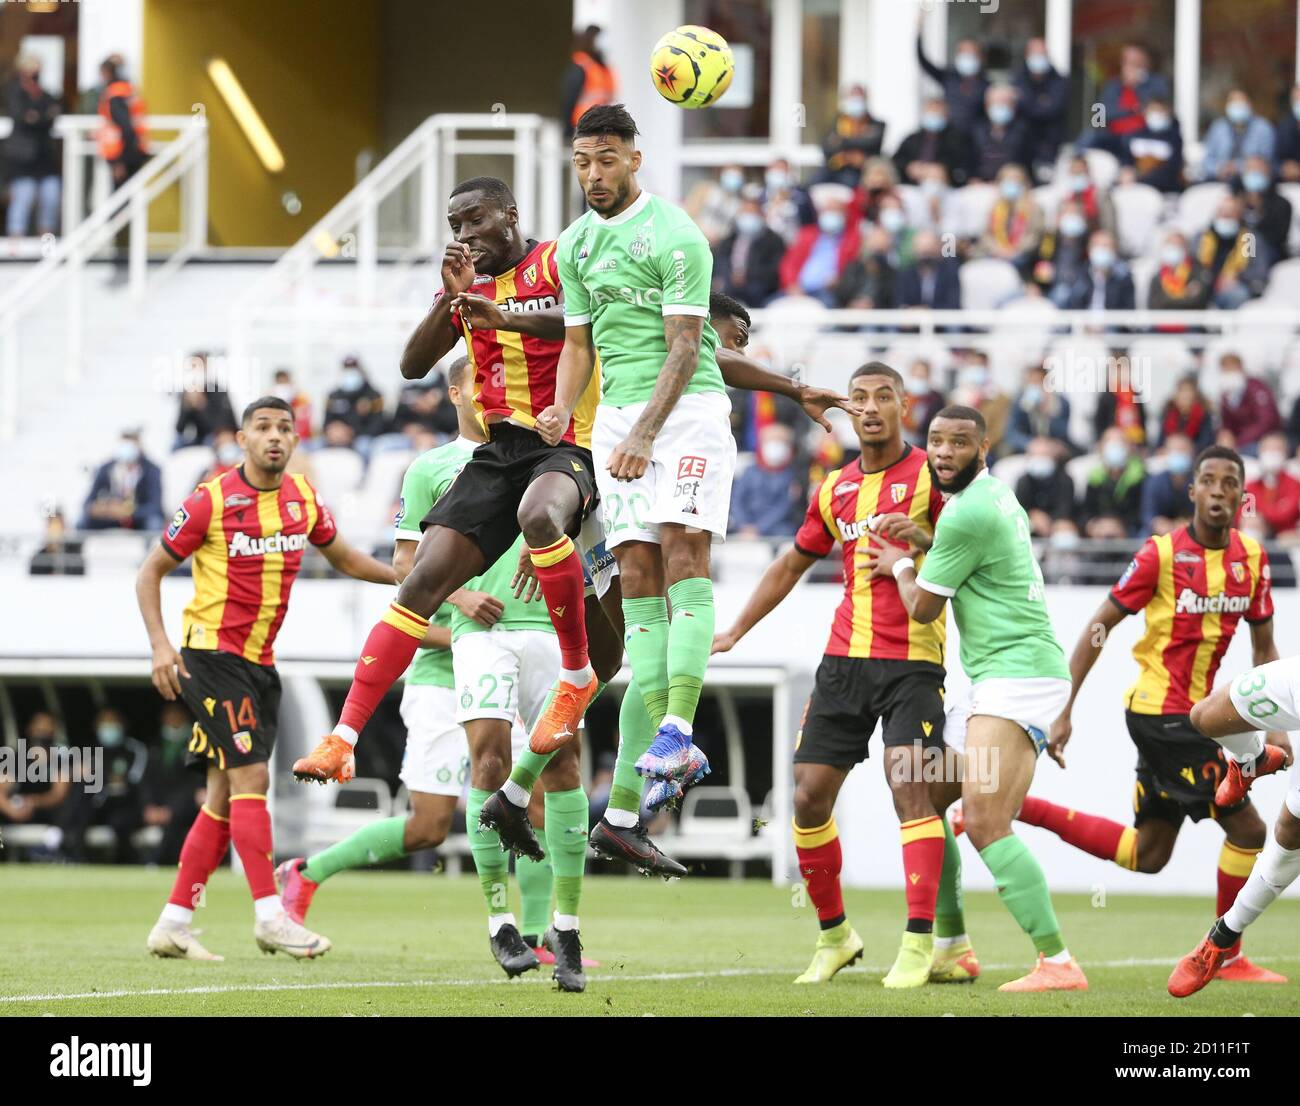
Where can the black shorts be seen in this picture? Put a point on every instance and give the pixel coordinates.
(236, 704)
(483, 502)
(853, 693)
(1178, 770)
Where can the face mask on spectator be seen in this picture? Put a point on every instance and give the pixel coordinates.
(1180, 464)
(110, 733)
(1102, 257)
(1172, 255)
(831, 222)
(1238, 111)
(855, 107)
(1040, 468)
(1001, 114)
(1073, 225)
(126, 452)
(1065, 539)
(1272, 462)
(892, 219)
(1032, 396)
(1080, 182)
(967, 64)
(1011, 189)
(230, 453)
(776, 179)
(175, 733)
(917, 386)
(1226, 228)
(1232, 384)
(1157, 120)
(1140, 74)
(973, 376)
(352, 380)
(1038, 64)
(934, 120)
(749, 223)
(1254, 180)
(732, 179)
(1114, 456)
(775, 454)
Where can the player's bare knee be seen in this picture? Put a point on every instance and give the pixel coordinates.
(812, 807)
(251, 779)
(985, 823)
(539, 524)
(1247, 830)
(489, 771)
(911, 798)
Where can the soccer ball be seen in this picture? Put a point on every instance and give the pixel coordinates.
(692, 66)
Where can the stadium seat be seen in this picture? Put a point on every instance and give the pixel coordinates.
(974, 205)
(1196, 206)
(1010, 469)
(1142, 270)
(1284, 284)
(1079, 468)
(337, 471)
(987, 282)
(1138, 208)
(1168, 359)
(717, 812)
(1290, 190)
(1288, 381)
(114, 552)
(1048, 199)
(180, 473)
(786, 331)
(1103, 167)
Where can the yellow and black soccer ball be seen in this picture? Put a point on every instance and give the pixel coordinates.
(692, 66)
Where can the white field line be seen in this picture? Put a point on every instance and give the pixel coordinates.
(651, 977)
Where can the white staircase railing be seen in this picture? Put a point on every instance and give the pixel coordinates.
(183, 160)
(349, 233)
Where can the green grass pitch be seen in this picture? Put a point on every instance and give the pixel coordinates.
(72, 942)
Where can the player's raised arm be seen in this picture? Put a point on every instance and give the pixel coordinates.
(148, 594)
(776, 583)
(743, 372)
(360, 566)
(572, 375)
(483, 314)
(437, 332)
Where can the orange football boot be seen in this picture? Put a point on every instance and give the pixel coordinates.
(1241, 970)
(1047, 976)
(1238, 778)
(1196, 969)
(332, 759)
(559, 721)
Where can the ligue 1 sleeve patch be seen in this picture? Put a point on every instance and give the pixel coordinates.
(1128, 574)
(179, 519)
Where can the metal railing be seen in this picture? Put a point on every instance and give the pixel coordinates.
(349, 232)
(183, 160)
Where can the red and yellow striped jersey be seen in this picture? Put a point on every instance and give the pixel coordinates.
(1194, 597)
(247, 546)
(871, 620)
(514, 374)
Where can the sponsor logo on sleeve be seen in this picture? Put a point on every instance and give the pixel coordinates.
(1128, 574)
(179, 519)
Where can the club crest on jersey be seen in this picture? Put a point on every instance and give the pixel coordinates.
(898, 492)
(639, 247)
(1238, 572)
(295, 510)
(530, 274)
(243, 741)
(179, 519)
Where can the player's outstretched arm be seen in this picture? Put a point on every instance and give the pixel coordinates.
(776, 583)
(1092, 639)
(483, 314)
(360, 566)
(572, 375)
(167, 661)
(1264, 649)
(739, 371)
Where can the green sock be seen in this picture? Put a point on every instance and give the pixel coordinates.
(529, 766)
(690, 640)
(534, 878)
(949, 917)
(566, 842)
(646, 639)
(489, 861)
(636, 731)
(376, 843)
(1022, 887)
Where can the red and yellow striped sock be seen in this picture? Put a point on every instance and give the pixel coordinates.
(819, 861)
(1235, 864)
(205, 846)
(388, 652)
(250, 833)
(923, 842)
(559, 571)
(1101, 837)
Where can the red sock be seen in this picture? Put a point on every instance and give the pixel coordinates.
(250, 830)
(819, 861)
(1090, 832)
(559, 571)
(923, 842)
(1235, 864)
(205, 845)
(388, 653)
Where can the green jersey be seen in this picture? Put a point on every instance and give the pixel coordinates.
(426, 481)
(982, 560)
(623, 275)
(517, 615)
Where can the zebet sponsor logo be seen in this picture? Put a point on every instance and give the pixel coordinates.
(690, 474)
(1191, 603)
(102, 1061)
(241, 545)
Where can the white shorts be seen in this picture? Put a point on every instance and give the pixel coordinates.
(1269, 696)
(688, 480)
(1032, 703)
(598, 565)
(504, 673)
(436, 761)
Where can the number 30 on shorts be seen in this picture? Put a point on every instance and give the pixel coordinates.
(1261, 706)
